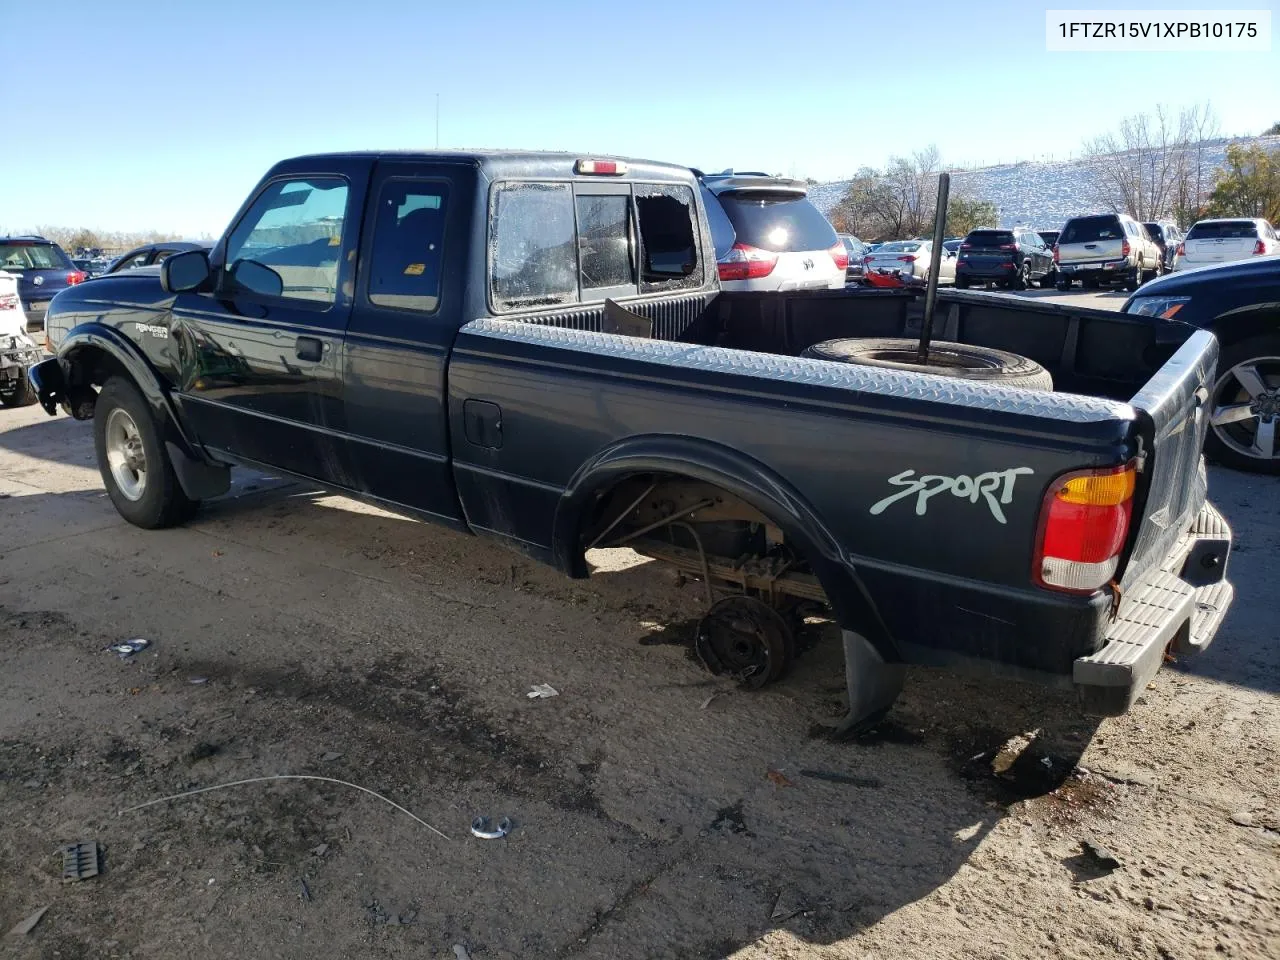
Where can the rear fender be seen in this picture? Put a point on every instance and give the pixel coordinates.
(741, 476)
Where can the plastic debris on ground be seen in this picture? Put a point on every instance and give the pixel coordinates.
(460, 952)
(480, 828)
(542, 691)
(80, 861)
(24, 927)
(128, 648)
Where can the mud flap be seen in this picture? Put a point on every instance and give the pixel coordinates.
(873, 683)
(199, 481)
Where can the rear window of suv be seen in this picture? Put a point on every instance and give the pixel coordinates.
(33, 256)
(1225, 230)
(1089, 229)
(780, 222)
(989, 238)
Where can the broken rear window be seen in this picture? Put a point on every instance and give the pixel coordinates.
(533, 260)
(668, 238)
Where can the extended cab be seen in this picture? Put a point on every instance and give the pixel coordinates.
(534, 348)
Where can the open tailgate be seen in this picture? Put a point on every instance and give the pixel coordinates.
(1172, 420)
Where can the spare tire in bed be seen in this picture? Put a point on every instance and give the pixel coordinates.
(959, 360)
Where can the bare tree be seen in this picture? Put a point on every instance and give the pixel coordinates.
(1155, 165)
(895, 203)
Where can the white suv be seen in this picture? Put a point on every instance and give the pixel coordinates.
(768, 236)
(1219, 241)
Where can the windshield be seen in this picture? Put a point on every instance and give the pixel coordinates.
(1224, 230)
(899, 246)
(32, 256)
(1089, 229)
(781, 222)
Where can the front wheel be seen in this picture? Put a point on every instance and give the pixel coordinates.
(17, 392)
(1023, 278)
(1244, 411)
(135, 467)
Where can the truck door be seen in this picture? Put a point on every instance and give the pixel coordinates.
(408, 307)
(261, 355)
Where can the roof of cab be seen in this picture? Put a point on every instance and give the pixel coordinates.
(509, 163)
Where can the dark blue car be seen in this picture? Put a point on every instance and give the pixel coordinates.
(42, 268)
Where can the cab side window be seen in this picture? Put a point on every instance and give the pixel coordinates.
(408, 245)
(294, 229)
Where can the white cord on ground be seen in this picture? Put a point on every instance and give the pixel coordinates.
(285, 776)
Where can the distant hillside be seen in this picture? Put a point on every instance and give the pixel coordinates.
(1043, 195)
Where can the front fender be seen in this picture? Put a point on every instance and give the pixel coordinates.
(744, 477)
(61, 380)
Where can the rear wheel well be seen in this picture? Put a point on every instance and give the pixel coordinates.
(706, 532)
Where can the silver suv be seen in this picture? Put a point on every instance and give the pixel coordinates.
(1106, 248)
(769, 236)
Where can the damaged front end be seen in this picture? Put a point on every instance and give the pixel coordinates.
(18, 352)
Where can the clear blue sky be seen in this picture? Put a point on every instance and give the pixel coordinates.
(163, 115)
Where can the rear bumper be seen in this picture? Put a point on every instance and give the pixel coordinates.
(1101, 268)
(986, 271)
(1174, 611)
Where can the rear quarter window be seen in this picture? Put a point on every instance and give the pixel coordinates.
(780, 222)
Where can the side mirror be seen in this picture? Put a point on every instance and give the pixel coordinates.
(185, 272)
(254, 277)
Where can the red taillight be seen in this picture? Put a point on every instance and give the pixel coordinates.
(9, 301)
(745, 262)
(1008, 246)
(76, 276)
(966, 246)
(1182, 250)
(1259, 248)
(867, 258)
(1124, 248)
(840, 255)
(909, 258)
(1055, 253)
(1083, 525)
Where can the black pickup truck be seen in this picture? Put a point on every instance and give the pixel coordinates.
(534, 348)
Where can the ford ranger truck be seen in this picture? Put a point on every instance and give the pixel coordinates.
(534, 348)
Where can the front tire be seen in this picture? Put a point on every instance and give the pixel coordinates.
(132, 459)
(19, 392)
(1244, 409)
(1023, 278)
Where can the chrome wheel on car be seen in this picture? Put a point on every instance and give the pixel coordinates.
(125, 454)
(1246, 407)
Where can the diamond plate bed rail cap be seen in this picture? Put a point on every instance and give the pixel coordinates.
(894, 383)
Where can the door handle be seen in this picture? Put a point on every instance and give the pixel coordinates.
(309, 348)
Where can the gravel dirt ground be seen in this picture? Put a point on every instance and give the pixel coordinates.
(657, 812)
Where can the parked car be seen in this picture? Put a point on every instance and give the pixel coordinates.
(1236, 301)
(1221, 241)
(909, 259)
(772, 236)
(151, 254)
(531, 348)
(1166, 235)
(1013, 258)
(952, 246)
(1050, 237)
(17, 350)
(1106, 248)
(856, 250)
(42, 268)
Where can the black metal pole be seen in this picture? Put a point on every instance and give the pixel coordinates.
(935, 263)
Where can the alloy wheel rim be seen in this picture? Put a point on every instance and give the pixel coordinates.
(1246, 408)
(126, 455)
